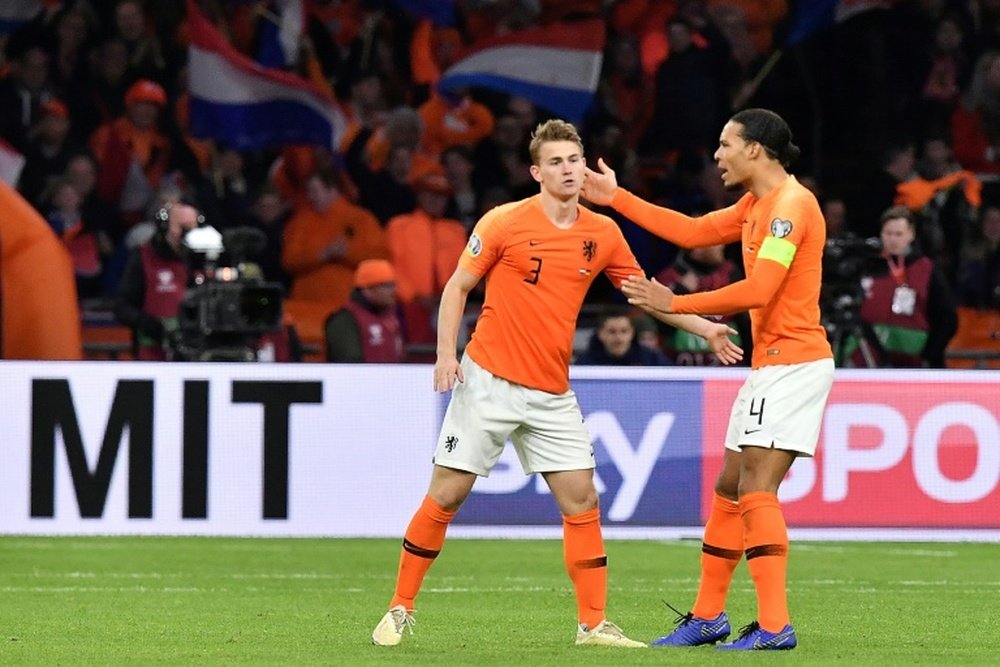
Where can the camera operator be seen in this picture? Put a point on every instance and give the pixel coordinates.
(907, 301)
(154, 280)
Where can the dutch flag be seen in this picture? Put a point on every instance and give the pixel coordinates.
(236, 101)
(557, 66)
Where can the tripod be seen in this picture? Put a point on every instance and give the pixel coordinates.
(841, 334)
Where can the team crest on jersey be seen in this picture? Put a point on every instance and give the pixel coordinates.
(475, 245)
(589, 249)
(781, 228)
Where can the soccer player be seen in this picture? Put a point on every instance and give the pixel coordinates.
(539, 256)
(777, 414)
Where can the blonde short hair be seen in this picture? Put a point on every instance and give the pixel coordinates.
(552, 130)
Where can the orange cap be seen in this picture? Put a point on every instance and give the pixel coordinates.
(145, 90)
(373, 272)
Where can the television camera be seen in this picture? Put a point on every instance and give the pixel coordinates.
(228, 308)
(846, 260)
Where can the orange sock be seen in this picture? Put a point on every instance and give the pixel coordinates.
(587, 564)
(721, 551)
(767, 556)
(421, 545)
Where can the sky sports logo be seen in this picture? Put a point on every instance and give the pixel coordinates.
(647, 448)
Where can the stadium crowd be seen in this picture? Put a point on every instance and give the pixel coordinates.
(897, 105)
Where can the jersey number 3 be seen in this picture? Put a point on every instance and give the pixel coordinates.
(532, 279)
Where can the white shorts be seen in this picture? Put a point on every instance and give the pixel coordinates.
(547, 429)
(781, 407)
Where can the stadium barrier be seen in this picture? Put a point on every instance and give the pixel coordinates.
(321, 450)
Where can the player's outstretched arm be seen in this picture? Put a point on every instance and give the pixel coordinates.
(657, 299)
(456, 292)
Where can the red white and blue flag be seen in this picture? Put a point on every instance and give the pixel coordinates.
(556, 66)
(238, 102)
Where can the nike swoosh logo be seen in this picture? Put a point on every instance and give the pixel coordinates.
(749, 431)
(776, 640)
(707, 630)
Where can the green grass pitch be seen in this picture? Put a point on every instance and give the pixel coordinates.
(221, 601)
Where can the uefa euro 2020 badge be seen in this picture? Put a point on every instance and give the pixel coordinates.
(475, 245)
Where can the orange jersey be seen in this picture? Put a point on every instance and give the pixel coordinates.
(785, 230)
(537, 276)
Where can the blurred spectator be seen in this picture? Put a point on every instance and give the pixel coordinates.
(386, 191)
(646, 332)
(624, 91)
(975, 123)
(270, 214)
(103, 100)
(154, 281)
(81, 170)
(908, 304)
(453, 119)
(699, 270)
(26, 87)
(761, 18)
(145, 53)
(978, 276)
(69, 40)
(48, 151)
(324, 241)
(691, 89)
(835, 214)
(424, 246)
(946, 198)
(132, 152)
(614, 343)
(946, 73)
(459, 167)
(364, 104)
(367, 329)
(879, 190)
(230, 186)
(502, 159)
(87, 245)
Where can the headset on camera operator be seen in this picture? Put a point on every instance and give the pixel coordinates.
(155, 279)
(907, 301)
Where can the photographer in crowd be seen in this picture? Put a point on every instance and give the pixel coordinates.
(154, 281)
(907, 301)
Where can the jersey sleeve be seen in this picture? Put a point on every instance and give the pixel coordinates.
(722, 226)
(622, 262)
(787, 229)
(485, 244)
(755, 291)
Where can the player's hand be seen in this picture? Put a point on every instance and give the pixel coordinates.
(717, 336)
(447, 372)
(599, 187)
(650, 295)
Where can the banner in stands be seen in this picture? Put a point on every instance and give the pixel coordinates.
(325, 450)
